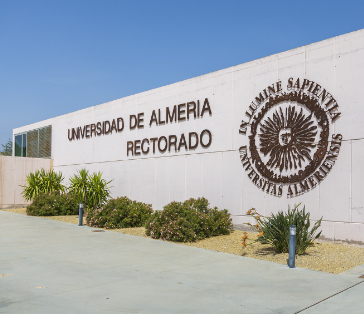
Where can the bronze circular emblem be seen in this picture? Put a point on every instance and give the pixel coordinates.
(288, 143)
(289, 137)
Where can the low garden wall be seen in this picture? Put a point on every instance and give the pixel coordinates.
(13, 172)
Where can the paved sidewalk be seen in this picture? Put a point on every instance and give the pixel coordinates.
(56, 267)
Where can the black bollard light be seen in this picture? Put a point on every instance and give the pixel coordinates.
(292, 246)
(80, 214)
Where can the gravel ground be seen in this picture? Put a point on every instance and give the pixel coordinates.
(325, 256)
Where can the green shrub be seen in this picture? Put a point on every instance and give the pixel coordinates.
(275, 229)
(188, 221)
(42, 181)
(53, 204)
(119, 213)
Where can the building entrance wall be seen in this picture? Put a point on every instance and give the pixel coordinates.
(271, 133)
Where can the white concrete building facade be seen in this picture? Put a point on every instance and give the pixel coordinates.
(268, 134)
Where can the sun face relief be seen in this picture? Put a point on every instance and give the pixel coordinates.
(288, 132)
(285, 136)
(284, 151)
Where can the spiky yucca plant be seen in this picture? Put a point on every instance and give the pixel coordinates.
(51, 181)
(90, 189)
(42, 181)
(79, 185)
(99, 190)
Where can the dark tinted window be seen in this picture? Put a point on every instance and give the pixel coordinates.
(18, 145)
(24, 146)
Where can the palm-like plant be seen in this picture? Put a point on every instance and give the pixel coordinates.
(80, 185)
(51, 181)
(33, 186)
(92, 190)
(99, 190)
(42, 181)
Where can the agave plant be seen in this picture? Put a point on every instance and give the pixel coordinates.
(274, 230)
(42, 181)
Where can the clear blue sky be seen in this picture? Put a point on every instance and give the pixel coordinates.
(61, 56)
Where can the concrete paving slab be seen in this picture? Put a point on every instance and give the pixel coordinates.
(349, 301)
(57, 267)
(354, 272)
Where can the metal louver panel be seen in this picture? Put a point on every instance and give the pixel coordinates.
(32, 145)
(45, 142)
(37, 143)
